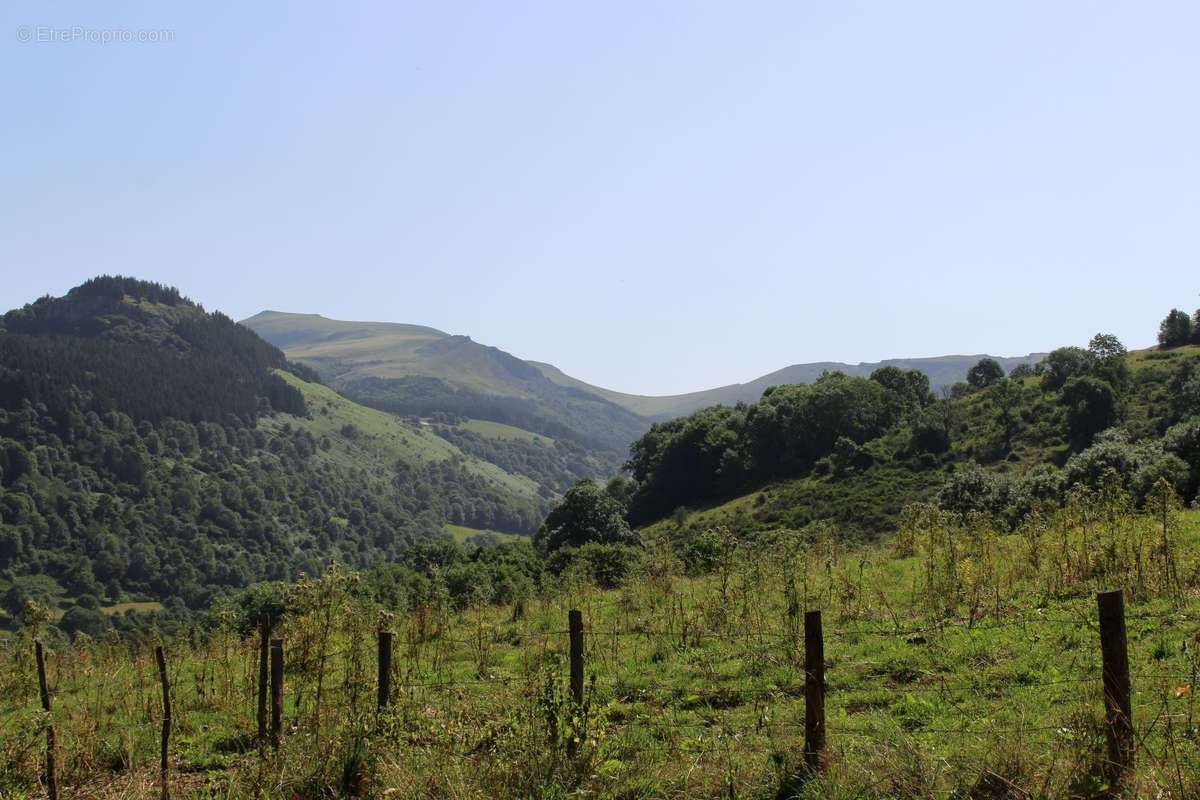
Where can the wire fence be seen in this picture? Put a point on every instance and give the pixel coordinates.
(221, 677)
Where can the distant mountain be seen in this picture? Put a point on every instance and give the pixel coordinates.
(415, 369)
(942, 371)
(410, 369)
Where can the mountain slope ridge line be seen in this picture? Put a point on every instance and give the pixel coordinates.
(346, 351)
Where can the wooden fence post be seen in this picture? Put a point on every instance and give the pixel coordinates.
(161, 658)
(1118, 708)
(814, 691)
(276, 692)
(51, 773)
(263, 656)
(385, 668)
(575, 629)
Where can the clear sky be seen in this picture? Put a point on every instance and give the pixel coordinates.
(657, 198)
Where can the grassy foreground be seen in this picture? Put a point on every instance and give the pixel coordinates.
(961, 662)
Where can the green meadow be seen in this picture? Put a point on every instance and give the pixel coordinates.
(961, 661)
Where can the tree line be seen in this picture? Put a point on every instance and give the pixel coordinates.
(1042, 432)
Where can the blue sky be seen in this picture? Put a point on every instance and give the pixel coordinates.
(657, 198)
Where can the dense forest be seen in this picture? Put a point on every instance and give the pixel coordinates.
(555, 467)
(119, 344)
(149, 449)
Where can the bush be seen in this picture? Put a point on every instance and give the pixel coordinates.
(929, 432)
(607, 565)
(1167, 466)
(273, 598)
(88, 601)
(1063, 364)
(984, 373)
(1111, 450)
(1183, 440)
(1023, 494)
(84, 620)
(470, 585)
(1021, 371)
(1091, 408)
(970, 488)
(848, 454)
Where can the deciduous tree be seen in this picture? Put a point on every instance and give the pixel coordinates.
(984, 373)
(1175, 329)
(587, 513)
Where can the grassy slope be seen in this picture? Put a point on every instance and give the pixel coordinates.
(391, 350)
(383, 439)
(421, 371)
(350, 350)
(863, 504)
(498, 430)
(461, 533)
(989, 681)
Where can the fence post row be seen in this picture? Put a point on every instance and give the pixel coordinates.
(276, 692)
(1118, 707)
(575, 631)
(51, 775)
(161, 658)
(1113, 647)
(814, 692)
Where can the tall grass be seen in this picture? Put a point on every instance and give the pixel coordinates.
(963, 661)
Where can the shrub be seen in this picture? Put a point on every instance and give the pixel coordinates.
(1111, 450)
(1168, 467)
(273, 598)
(608, 565)
(970, 488)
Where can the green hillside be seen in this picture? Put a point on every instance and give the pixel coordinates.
(413, 370)
(152, 450)
(381, 361)
(856, 451)
(527, 418)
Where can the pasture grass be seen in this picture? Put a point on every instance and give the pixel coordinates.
(461, 534)
(498, 430)
(961, 661)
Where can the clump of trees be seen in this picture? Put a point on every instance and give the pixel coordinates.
(1178, 329)
(1072, 407)
(720, 451)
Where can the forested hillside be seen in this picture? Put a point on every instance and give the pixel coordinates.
(420, 371)
(151, 449)
(857, 450)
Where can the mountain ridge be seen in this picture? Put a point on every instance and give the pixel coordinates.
(324, 344)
